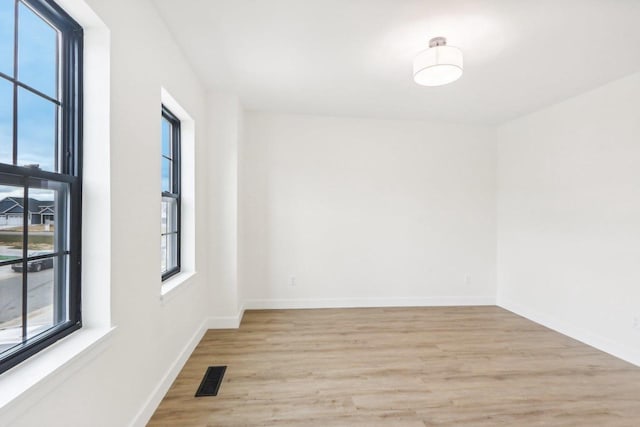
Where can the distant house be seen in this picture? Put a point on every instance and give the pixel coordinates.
(12, 210)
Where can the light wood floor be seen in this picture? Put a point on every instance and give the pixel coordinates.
(454, 366)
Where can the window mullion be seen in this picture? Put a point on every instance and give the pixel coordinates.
(15, 85)
(25, 262)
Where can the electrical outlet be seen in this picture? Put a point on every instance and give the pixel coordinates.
(292, 281)
(467, 279)
(636, 322)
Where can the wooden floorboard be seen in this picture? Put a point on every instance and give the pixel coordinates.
(436, 366)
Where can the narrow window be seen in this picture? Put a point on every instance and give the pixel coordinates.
(40, 177)
(170, 212)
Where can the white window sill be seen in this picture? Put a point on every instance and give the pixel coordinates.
(171, 285)
(31, 380)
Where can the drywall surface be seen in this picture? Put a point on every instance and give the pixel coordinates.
(348, 212)
(569, 217)
(151, 333)
(224, 122)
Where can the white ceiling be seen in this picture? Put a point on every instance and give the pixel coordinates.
(354, 57)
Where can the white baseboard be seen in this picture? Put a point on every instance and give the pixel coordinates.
(618, 350)
(264, 304)
(144, 415)
(151, 404)
(233, 322)
(226, 322)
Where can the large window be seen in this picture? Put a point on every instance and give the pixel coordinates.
(170, 212)
(40, 177)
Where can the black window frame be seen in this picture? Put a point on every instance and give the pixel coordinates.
(68, 163)
(175, 185)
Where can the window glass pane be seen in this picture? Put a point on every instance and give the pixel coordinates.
(172, 251)
(47, 209)
(6, 36)
(166, 138)
(164, 216)
(166, 175)
(47, 277)
(10, 281)
(6, 121)
(47, 290)
(11, 218)
(169, 215)
(37, 52)
(169, 252)
(36, 131)
(163, 254)
(10, 308)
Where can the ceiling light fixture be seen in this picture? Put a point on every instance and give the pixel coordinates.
(438, 65)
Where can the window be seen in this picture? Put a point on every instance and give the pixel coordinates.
(40, 177)
(170, 211)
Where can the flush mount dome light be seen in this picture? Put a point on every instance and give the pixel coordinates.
(438, 65)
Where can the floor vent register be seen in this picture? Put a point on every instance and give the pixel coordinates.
(211, 381)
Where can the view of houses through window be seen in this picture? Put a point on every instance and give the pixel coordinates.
(40, 177)
(40, 216)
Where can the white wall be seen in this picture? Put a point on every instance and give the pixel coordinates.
(569, 217)
(361, 212)
(224, 124)
(366, 212)
(112, 385)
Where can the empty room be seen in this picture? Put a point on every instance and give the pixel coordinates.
(319, 213)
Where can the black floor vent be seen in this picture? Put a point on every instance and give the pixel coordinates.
(211, 381)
